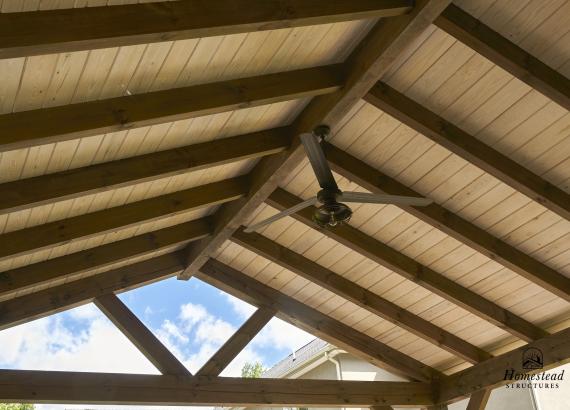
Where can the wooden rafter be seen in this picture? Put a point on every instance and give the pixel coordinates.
(140, 335)
(371, 58)
(59, 298)
(236, 343)
(450, 223)
(56, 270)
(69, 295)
(242, 286)
(414, 271)
(60, 31)
(469, 148)
(555, 349)
(359, 295)
(32, 239)
(138, 389)
(52, 300)
(478, 400)
(505, 54)
(335, 89)
(48, 125)
(47, 189)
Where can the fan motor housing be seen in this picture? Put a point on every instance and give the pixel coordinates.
(331, 212)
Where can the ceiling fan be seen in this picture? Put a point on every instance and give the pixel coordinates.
(332, 211)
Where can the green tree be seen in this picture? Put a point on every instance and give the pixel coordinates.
(252, 370)
(16, 406)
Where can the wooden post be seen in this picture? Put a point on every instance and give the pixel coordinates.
(479, 399)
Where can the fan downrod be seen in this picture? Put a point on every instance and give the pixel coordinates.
(322, 131)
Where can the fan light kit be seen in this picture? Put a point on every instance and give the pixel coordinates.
(331, 211)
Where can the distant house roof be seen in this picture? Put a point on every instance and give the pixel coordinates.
(301, 355)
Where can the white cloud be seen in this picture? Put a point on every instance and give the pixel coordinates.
(196, 360)
(282, 335)
(215, 331)
(47, 344)
(191, 314)
(84, 312)
(276, 333)
(207, 331)
(193, 336)
(173, 330)
(242, 309)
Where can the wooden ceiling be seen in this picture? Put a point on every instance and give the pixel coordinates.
(137, 139)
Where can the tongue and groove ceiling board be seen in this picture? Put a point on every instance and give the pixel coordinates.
(56, 80)
(146, 193)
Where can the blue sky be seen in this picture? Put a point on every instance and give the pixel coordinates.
(191, 318)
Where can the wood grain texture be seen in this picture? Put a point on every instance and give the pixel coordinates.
(478, 400)
(358, 295)
(414, 271)
(32, 239)
(138, 389)
(61, 31)
(439, 406)
(139, 335)
(67, 296)
(365, 65)
(555, 349)
(437, 71)
(505, 54)
(236, 343)
(450, 223)
(62, 123)
(240, 285)
(468, 147)
(47, 189)
(62, 268)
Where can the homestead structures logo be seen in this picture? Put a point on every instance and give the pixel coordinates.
(532, 361)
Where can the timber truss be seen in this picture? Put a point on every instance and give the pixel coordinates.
(43, 288)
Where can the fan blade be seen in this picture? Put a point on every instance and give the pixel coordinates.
(282, 214)
(366, 198)
(318, 161)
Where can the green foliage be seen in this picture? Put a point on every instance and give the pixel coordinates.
(16, 406)
(252, 370)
